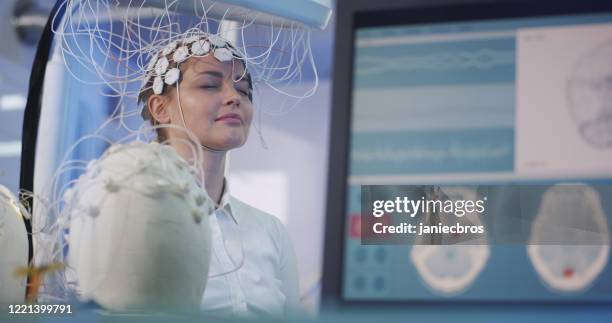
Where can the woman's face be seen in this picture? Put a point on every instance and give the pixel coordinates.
(216, 106)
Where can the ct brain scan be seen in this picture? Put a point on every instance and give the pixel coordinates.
(449, 269)
(589, 92)
(573, 213)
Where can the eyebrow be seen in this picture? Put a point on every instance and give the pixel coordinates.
(211, 73)
(245, 78)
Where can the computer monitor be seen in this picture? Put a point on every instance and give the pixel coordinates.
(465, 92)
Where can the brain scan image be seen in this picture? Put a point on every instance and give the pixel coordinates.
(573, 213)
(589, 90)
(450, 268)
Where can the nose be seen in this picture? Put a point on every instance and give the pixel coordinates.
(231, 95)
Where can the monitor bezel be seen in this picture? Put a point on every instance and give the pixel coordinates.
(353, 14)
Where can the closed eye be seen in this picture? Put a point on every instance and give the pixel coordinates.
(209, 86)
(243, 91)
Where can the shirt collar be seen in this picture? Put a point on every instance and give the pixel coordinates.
(224, 203)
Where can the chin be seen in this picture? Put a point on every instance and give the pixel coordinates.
(228, 144)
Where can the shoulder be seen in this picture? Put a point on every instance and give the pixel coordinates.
(253, 216)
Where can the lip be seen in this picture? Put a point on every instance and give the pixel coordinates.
(230, 118)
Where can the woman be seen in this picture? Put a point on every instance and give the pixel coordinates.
(253, 269)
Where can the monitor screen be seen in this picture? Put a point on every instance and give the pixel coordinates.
(512, 100)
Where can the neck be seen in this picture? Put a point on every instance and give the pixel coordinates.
(213, 165)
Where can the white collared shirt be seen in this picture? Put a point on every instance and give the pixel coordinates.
(253, 269)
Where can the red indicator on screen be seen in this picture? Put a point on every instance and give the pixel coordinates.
(355, 226)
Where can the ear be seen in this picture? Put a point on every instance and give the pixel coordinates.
(158, 108)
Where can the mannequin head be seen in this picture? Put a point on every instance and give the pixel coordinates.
(13, 248)
(138, 237)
